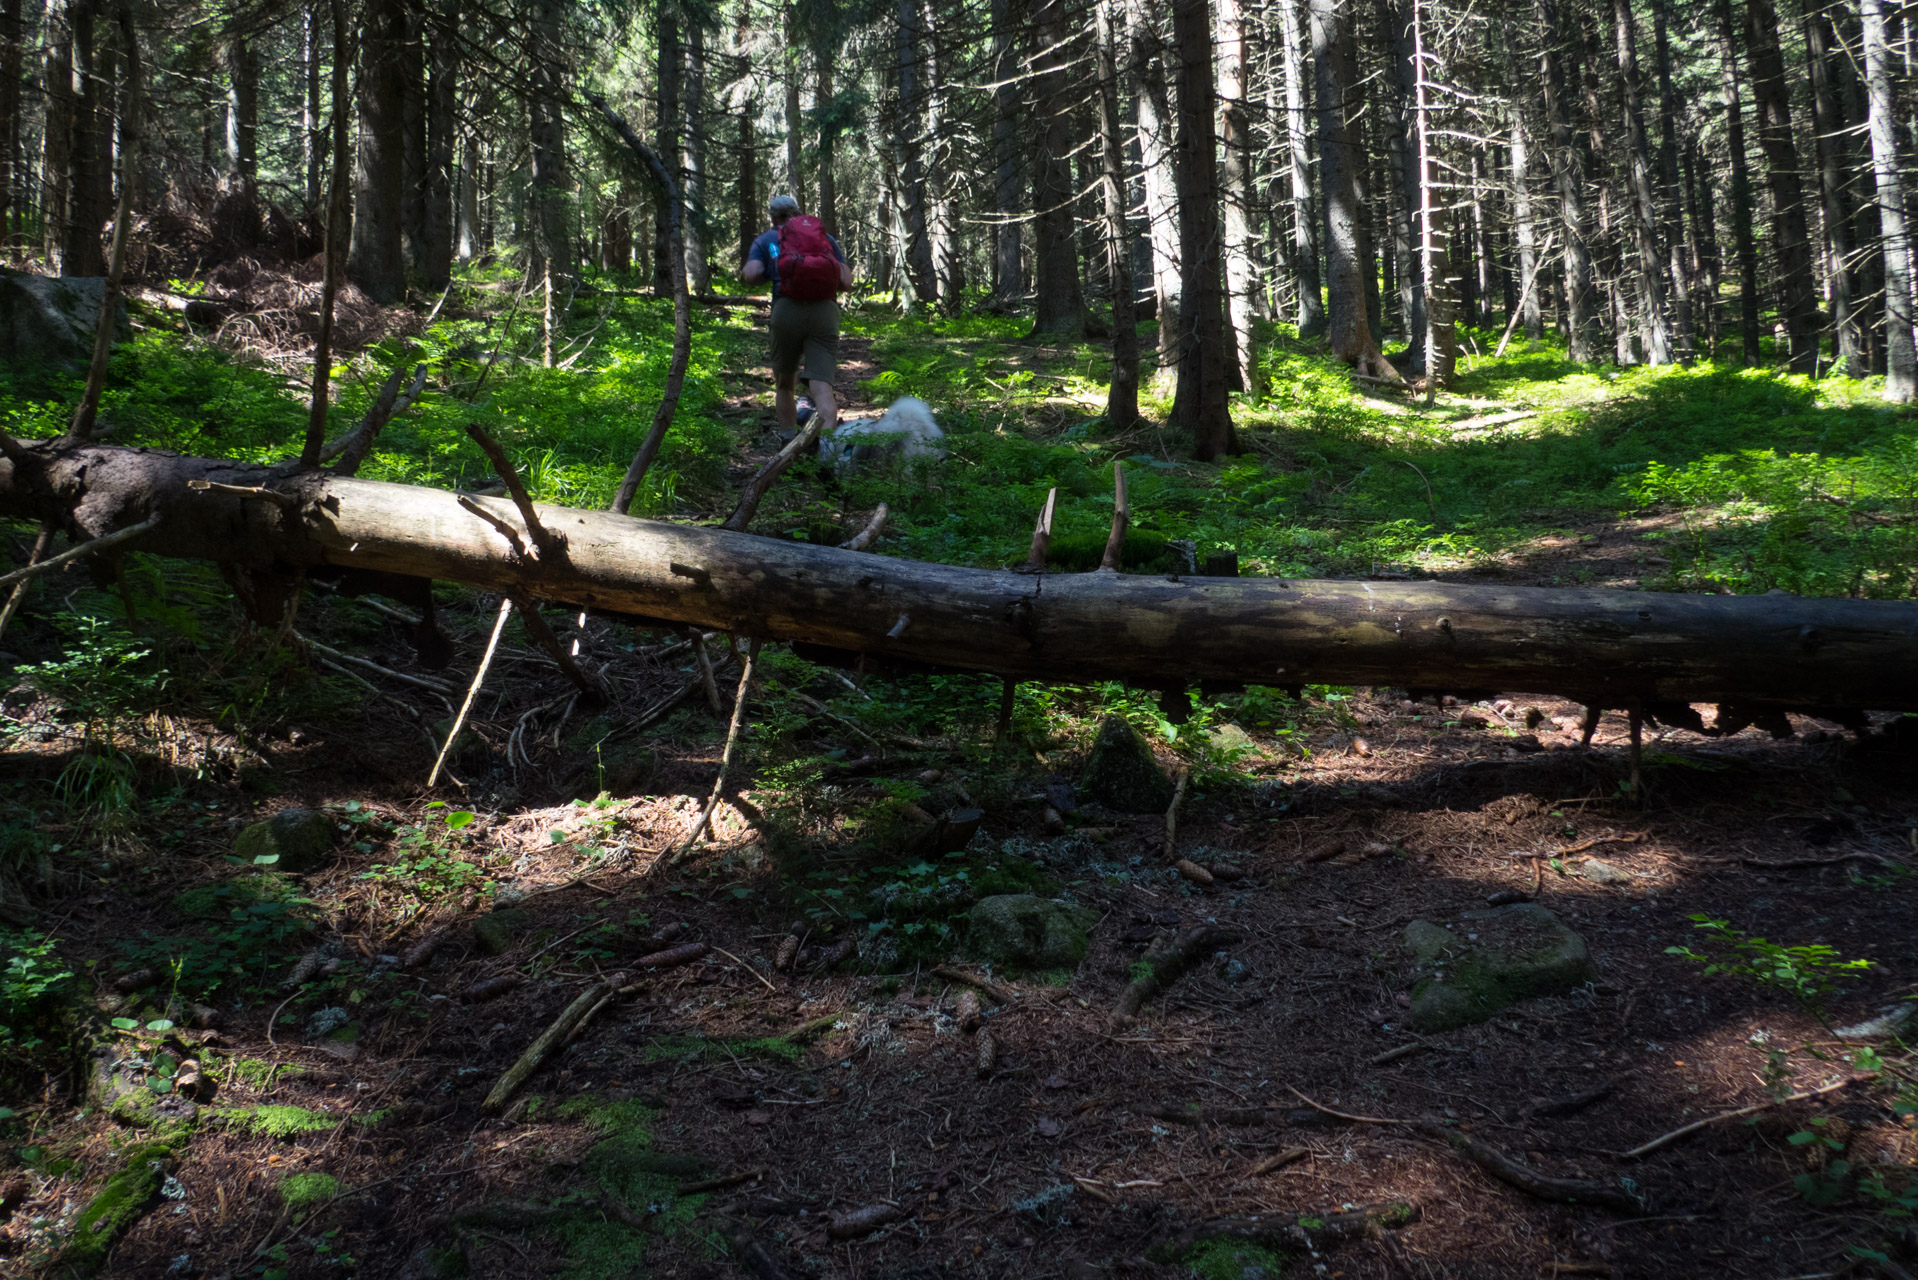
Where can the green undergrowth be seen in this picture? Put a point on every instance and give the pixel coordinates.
(1234, 1260)
(625, 1164)
(692, 1048)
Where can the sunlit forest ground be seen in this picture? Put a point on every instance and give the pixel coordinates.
(733, 1099)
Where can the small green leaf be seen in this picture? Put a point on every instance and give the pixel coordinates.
(160, 1024)
(266, 859)
(459, 818)
(127, 1024)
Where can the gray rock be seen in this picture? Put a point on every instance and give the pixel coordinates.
(1121, 772)
(1506, 954)
(1022, 931)
(1230, 739)
(52, 319)
(297, 839)
(1604, 872)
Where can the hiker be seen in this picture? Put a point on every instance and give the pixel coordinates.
(807, 271)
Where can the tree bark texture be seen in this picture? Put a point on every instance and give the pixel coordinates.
(1008, 278)
(1199, 404)
(1310, 316)
(442, 130)
(1146, 78)
(1654, 322)
(1235, 139)
(1349, 262)
(1609, 648)
(1061, 310)
(1122, 396)
(1832, 146)
(1901, 361)
(1671, 220)
(375, 262)
(1568, 175)
(1791, 238)
(1744, 240)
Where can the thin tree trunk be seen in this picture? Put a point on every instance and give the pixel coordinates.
(746, 152)
(87, 155)
(908, 154)
(1671, 220)
(413, 111)
(1744, 241)
(1008, 280)
(795, 175)
(1341, 165)
(1440, 338)
(1832, 146)
(1061, 310)
(942, 238)
(1241, 276)
(828, 143)
(1901, 362)
(442, 126)
(1568, 174)
(1310, 317)
(1146, 80)
(1524, 233)
(1701, 216)
(13, 170)
(693, 160)
(666, 136)
(242, 114)
(1199, 405)
(1652, 294)
(84, 414)
(313, 131)
(1791, 238)
(1122, 396)
(1401, 138)
(333, 250)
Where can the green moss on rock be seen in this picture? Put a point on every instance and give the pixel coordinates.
(1024, 932)
(1505, 955)
(126, 1196)
(1121, 772)
(294, 840)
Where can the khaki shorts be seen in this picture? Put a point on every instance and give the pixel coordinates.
(806, 338)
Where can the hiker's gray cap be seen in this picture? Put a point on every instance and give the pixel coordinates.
(783, 204)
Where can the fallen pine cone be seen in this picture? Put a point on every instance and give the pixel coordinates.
(422, 951)
(1226, 871)
(827, 957)
(788, 950)
(986, 1054)
(1360, 747)
(1193, 871)
(490, 988)
(308, 966)
(204, 1016)
(863, 1222)
(673, 957)
(967, 1014)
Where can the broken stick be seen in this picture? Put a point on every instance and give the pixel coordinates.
(479, 678)
(726, 755)
(1518, 1174)
(1003, 995)
(550, 1039)
(1166, 961)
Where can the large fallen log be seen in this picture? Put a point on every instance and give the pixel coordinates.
(1619, 649)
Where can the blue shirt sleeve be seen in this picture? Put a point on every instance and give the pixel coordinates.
(762, 253)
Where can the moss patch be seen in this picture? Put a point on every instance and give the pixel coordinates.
(126, 1196)
(279, 1122)
(1234, 1260)
(215, 901)
(299, 1190)
(695, 1048)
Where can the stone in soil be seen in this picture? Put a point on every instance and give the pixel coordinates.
(52, 320)
(1503, 955)
(1023, 931)
(1121, 772)
(292, 840)
(1604, 872)
(496, 931)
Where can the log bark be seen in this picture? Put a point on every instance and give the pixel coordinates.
(1609, 648)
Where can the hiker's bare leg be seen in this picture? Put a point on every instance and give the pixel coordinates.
(785, 404)
(824, 405)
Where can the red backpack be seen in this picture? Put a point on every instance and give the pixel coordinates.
(808, 267)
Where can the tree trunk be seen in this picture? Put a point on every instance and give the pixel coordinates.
(242, 114)
(1744, 241)
(1606, 648)
(1146, 80)
(1310, 317)
(942, 234)
(693, 161)
(313, 131)
(468, 238)
(1122, 396)
(1008, 280)
(1652, 295)
(1791, 240)
(795, 175)
(442, 132)
(56, 131)
(1341, 166)
(1832, 145)
(1395, 18)
(1901, 363)
(666, 141)
(907, 144)
(1568, 174)
(1671, 220)
(375, 262)
(413, 110)
(1701, 216)
(746, 150)
(1061, 310)
(828, 143)
(88, 170)
(1524, 233)
(1199, 405)
(1241, 276)
(13, 172)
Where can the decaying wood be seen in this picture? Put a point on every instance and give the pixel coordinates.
(986, 986)
(1121, 519)
(1517, 1173)
(1683, 1131)
(1172, 814)
(1166, 961)
(1278, 1160)
(490, 988)
(1604, 648)
(1311, 1231)
(1042, 535)
(549, 1039)
(855, 1223)
(866, 536)
(1393, 1055)
(472, 692)
(740, 699)
(720, 1183)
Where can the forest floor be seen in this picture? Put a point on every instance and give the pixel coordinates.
(837, 1113)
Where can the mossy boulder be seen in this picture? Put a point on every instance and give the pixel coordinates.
(1026, 932)
(52, 319)
(1121, 772)
(166, 1117)
(292, 840)
(1495, 959)
(497, 931)
(217, 901)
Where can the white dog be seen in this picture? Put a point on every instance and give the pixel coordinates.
(906, 431)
